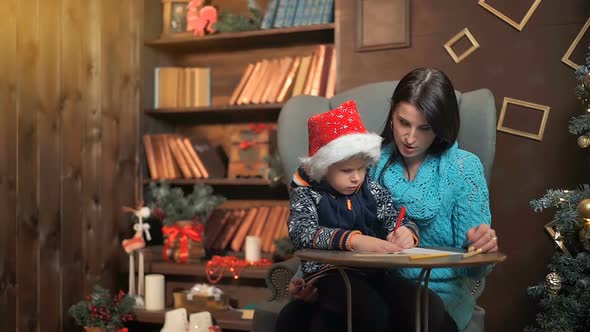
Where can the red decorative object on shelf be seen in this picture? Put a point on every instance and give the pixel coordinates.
(219, 264)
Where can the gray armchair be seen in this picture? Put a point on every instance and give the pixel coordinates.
(477, 135)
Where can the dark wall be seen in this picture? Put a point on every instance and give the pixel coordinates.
(523, 65)
(69, 101)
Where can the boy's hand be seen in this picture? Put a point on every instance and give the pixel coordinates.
(402, 237)
(373, 244)
(299, 290)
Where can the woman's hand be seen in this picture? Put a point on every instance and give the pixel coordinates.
(373, 244)
(482, 237)
(299, 290)
(402, 237)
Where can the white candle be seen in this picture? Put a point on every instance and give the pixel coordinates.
(154, 292)
(252, 248)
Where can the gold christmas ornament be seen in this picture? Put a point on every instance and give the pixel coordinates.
(583, 141)
(584, 236)
(584, 209)
(553, 281)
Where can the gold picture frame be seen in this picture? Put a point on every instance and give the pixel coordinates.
(518, 26)
(382, 24)
(174, 19)
(556, 237)
(474, 45)
(566, 57)
(539, 135)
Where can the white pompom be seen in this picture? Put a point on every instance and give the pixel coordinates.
(144, 212)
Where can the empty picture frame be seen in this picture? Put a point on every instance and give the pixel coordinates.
(566, 57)
(449, 45)
(382, 24)
(556, 237)
(536, 136)
(518, 26)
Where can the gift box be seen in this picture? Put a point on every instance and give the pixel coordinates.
(201, 297)
(183, 242)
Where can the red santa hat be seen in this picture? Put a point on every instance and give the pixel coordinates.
(335, 136)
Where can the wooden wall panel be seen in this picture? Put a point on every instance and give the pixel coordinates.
(8, 171)
(524, 65)
(73, 256)
(111, 105)
(49, 156)
(28, 166)
(68, 152)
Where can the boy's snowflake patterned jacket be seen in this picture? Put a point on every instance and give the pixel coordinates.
(307, 231)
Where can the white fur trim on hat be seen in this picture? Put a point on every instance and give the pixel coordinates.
(341, 149)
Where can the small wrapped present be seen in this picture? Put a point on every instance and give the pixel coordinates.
(201, 297)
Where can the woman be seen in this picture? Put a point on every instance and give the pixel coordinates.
(445, 193)
(442, 186)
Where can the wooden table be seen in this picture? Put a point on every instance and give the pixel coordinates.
(344, 259)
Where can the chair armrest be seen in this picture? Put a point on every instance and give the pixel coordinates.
(279, 276)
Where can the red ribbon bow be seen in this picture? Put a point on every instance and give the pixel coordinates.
(184, 233)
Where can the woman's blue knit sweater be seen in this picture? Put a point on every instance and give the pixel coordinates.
(447, 197)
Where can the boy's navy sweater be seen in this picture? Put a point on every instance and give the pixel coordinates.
(320, 217)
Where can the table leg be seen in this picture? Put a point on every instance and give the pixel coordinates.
(348, 298)
(418, 298)
(425, 300)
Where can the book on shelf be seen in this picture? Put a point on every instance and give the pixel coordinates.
(238, 90)
(227, 229)
(182, 87)
(173, 156)
(331, 83)
(211, 158)
(299, 84)
(269, 15)
(287, 84)
(289, 13)
(244, 227)
(230, 230)
(275, 80)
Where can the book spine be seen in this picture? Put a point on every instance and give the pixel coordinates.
(245, 225)
(282, 95)
(269, 16)
(150, 156)
(198, 162)
(194, 170)
(233, 224)
(177, 155)
(236, 94)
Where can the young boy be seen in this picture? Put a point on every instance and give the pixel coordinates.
(335, 206)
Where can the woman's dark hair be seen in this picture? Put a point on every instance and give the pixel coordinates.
(432, 93)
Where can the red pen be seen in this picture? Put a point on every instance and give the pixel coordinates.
(400, 217)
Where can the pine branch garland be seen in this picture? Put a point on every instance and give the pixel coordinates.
(176, 206)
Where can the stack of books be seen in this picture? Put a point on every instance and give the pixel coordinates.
(182, 87)
(292, 13)
(173, 157)
(228, 228)
(275, 80)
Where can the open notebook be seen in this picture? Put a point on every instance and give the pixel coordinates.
(408, 252)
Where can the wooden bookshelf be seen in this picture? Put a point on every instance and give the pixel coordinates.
(240, 189)
(197, 269)
(218, 114)
(217, 182)
(311, 34)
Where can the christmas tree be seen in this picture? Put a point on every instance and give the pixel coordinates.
(564, 297)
